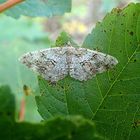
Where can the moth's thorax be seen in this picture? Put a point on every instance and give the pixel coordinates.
(69, 50)
(69, 54)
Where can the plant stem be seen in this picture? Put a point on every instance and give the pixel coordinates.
(22, 110)
(8, 4)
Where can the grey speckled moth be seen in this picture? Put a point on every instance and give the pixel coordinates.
(54, 64)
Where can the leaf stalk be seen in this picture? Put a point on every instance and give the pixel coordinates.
(8, 4)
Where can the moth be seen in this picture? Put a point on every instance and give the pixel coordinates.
(53, 64)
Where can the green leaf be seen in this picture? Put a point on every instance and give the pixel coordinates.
(119, 103)
(7, 103)
(63, 39)
(72, 127)
(112, 98)
(7, 112)
(34, 8)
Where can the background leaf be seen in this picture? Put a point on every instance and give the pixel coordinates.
(33, 8)
(16, 38)
(7, 103)
(111, 98)
(7, 112)
(74, 127)
(57, 129)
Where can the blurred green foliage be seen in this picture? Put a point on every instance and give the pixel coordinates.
(16, 38)
(72, 127)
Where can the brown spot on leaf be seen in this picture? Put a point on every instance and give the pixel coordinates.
(135, 60)
(105, 31)
(131, 33)
(134, 14)
(124, 15)
(8, 113)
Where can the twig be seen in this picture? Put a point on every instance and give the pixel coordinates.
(22, 110)
(8, 4)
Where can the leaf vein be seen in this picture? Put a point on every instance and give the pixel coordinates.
(114, 83)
